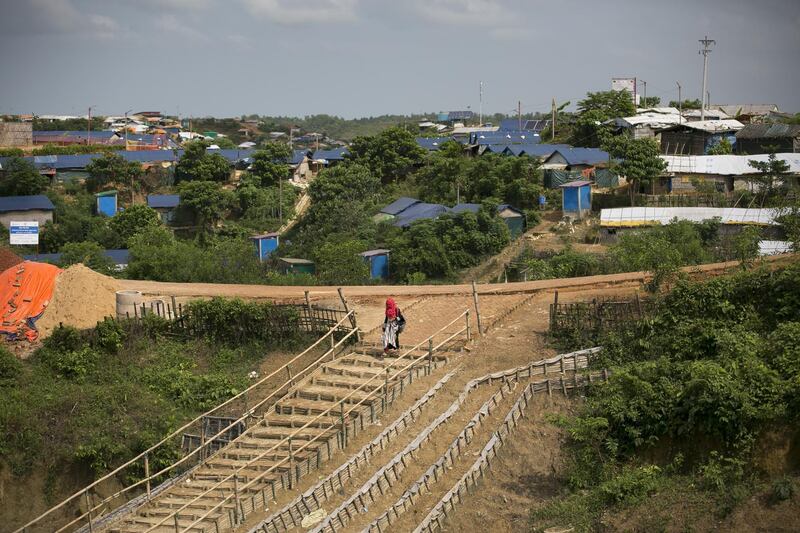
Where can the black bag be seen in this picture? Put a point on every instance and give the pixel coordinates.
(401, 323)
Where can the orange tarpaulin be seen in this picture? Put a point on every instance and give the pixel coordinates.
(25, 291)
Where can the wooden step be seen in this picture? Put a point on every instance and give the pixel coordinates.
(298, 421)
(322, 392)
(347, 382)
(267, 432)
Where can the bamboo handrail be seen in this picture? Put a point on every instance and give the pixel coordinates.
(298, 430)
(174, 434)
(208, 441)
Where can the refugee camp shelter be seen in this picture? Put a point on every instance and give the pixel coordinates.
(513, 218)
(165, 204)
(106, 203)
(292, 265)
(576, 198)
(378, 263)
(33, 208)
(265, 244)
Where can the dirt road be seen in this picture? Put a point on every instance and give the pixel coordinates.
(199, 290)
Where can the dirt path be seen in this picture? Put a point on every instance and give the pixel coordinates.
(277, 292)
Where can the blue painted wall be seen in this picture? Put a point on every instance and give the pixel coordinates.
(265, 246)
(378, 266)
(569, 202)
(107, 205)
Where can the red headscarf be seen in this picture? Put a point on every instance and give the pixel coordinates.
(391, 309)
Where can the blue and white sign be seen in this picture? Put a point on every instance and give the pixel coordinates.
(23, 232)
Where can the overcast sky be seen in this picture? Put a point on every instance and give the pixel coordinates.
(370, 57)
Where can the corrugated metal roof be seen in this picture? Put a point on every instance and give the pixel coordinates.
(163, 200)
(768, 131)
(296, 261)
(266, 236)
(653, 120)
(25, 203)
(460, 115)
(644, 216)
(460, 208)
(372, 253)
(576, 183)
(725, 165)
(399, 205)
(746, 109)
(714, 126)
(774, 247)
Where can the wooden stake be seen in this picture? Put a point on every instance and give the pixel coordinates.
(469, 333)
(477, 309)
(147, 472)
(89, 511)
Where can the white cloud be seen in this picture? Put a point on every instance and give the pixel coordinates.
(487, 13)
(290, 12)
(172, 25)
(62, 16)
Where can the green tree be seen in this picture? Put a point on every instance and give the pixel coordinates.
(20, 178)
(745, 244)
(196, 164)
(271, 163)
(225, 143)
(112, 168)
(391, 155)
(641, 160)
(770, 170)
(89, 253)
(686, 104)
(206, 201)
(650, 101)
(594, 110)
(338, 263)
(723, 147)
(134, 220)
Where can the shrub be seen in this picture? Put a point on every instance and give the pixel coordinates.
(64, 339)
(631, 486)
(109, 336)
(782, 489)
(10, 366)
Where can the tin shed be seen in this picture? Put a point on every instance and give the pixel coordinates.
(291, 265)
(107, 203)
(265, 244)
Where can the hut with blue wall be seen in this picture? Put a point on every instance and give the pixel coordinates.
(378, 261)
(106, 203)
(576, 198)
(265, 244)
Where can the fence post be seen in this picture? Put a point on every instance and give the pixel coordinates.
(147, 472)
(477, 308)
(386, 389)
(89, 510)
(312, 323)
(291, 465)
(469, 333)
(344, 426)
(430, 356)
(347, 309)
(174, 308)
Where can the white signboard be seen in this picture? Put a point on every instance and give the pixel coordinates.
(23, 232)
(628, 84)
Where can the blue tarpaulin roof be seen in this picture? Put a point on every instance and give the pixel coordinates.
(583, 156)
(25, 203)
(337, 154)
(399, 205)
(432, 143)
(460, 208)
(163, 200)
(512, 124)
(419, 211)
(59, 162)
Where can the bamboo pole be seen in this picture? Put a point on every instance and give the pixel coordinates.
(477, 308)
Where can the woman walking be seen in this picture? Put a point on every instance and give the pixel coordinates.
(393, 324)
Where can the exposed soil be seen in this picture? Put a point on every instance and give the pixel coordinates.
(82, 298)
(8, 259)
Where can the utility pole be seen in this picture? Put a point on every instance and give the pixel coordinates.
(553, 125)
(89, 127)
(480, 106)
(644, 97)
(126, 128)
(680, 103)
(706, 42)
(519, 114)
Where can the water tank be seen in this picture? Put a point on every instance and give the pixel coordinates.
(129, 303)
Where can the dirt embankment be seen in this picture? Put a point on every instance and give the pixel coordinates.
(82, 297)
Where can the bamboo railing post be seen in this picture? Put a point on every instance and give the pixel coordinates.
(147, 472)
(469, 333)
(344, 426)
(477, 308)
(177, 527)
(312, 323)
(347, 309)
(291, 464)
(89, 511)
(430, 356)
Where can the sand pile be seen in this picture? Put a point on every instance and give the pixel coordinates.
(82, 297)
